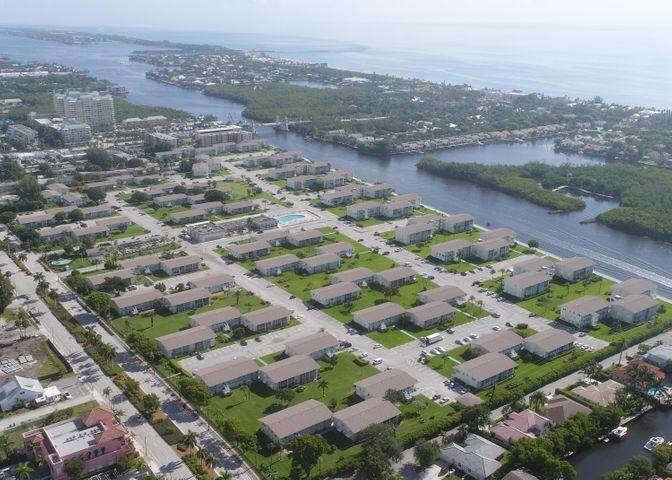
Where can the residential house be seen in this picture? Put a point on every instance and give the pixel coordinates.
(602, 394)
(91, 232)
(549, 343)
(335, 294)
(483, 371)
(141, 265)
(306, 418)
(526, 285)
(275, 237)
(95, 436)
(360, 276)
(519, 475)
(477, 458)
(19, 392)
(525, 424)
(378, 385)
(505, 342)
(634, 309)
(218, 282)
(184, 342)
(304, 238)
(302, 182)
(180, 265)
(379, 316)
(364, 210)
(337, 197)
(170, 200)
(585, 312)
(574, 269)
(278, 265)
(96, 281)
(320, 263)
(493, 249)
(660, 356)
(223, 377)
(316, 346)
(397, 208)
(537, 264)
(452, 250)
(192, 215)
(264, 319)
(187, 300)
(412, 198)
(395, 277)
(377, 190)
(633, 286)
(351, 421)
(560, 408)
(237, 208)
(133, 303)
(631, 374)
(342, 249)
(287, 373)
(447, 293)
(505, 233)
(429, 314)
(461, 222)
(253, 249)
(218, 319)
(417, 233)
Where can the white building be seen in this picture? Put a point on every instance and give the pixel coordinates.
(19, 391)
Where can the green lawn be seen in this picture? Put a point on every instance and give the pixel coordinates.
(425, 248)
(338, 395)
(559, 293)
(165, 324)
(444, 364)
(612, 332)
(262, 401)
(79, 262)
(52, 366)
(393, 337)
(133, 230)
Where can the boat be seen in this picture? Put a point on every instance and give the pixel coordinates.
(619, 432)
(653, 443)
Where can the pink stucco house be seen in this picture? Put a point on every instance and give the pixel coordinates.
(94, 435)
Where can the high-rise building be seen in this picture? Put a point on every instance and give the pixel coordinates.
(21, 133)
(92, 108)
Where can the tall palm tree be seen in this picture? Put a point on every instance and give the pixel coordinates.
(23, 471)
(38, 276)
(537, 400)
(5, 446)
(118, 412)
(107, 391)
(323, 385)
(23, 256)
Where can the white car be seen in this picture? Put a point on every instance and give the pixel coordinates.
(377, 361)
(474, 335)
(496, 328)
(364, 354)
(377, 345)
(441, 349)
(434, 351)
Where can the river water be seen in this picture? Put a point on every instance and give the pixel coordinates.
(618, 254)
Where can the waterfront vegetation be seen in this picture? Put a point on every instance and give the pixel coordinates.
(644, 194)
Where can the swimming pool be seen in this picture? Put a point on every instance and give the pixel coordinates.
(291, 217)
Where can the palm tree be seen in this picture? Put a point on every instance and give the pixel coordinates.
(38, 276)
(190, 439)
(118, 412)
(237, 293)
(23, 256)
(537, 400)
(23, 471)
(6, 446)
(480, 304)
(323, 385)
(107, 391)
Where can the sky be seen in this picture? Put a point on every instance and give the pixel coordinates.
(338, 19)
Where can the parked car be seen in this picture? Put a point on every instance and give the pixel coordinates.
(377, 361)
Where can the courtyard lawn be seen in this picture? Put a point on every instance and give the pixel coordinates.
(444, 364)
(246, 409)
(425, 248)
(611, 331)
(133, 230)
(530, 368)
(270, 358)
(548, 304)
(80, 262)
(392, 337)
(474, 310)
(338, 394)
(165, 324)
